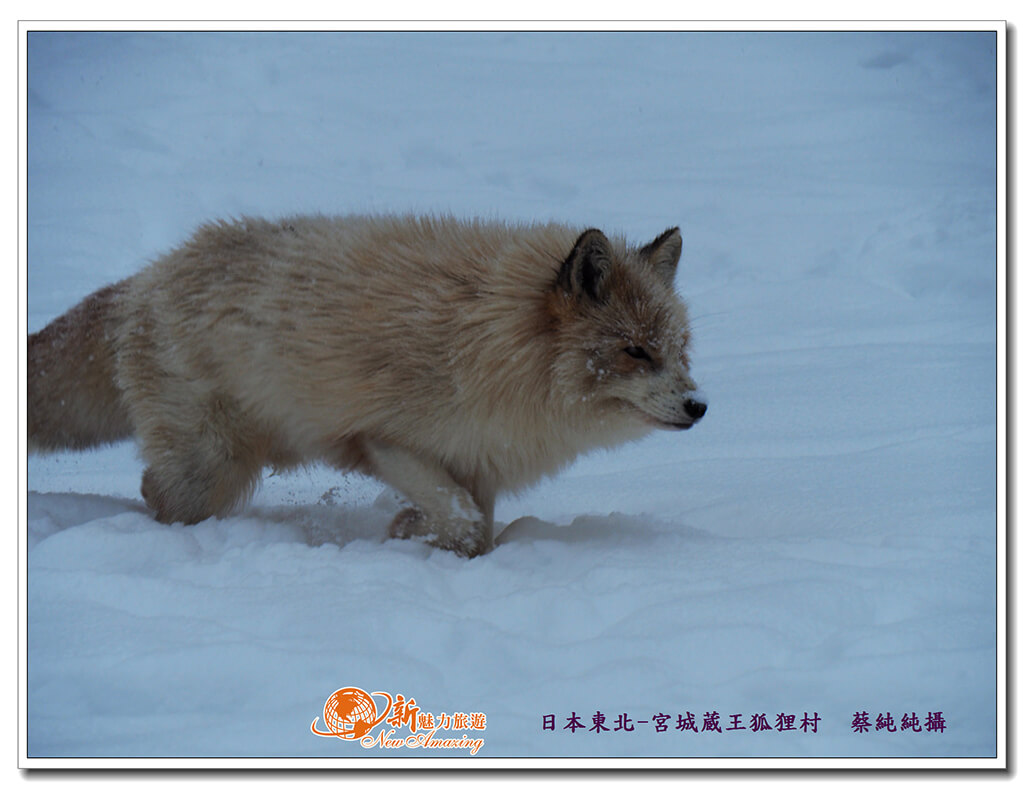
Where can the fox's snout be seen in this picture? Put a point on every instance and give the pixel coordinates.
(695, 409)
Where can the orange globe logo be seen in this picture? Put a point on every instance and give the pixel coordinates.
(350, 713)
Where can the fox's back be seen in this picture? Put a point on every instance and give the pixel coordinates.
(357, 324)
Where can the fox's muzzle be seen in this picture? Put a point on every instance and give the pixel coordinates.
(695, 409)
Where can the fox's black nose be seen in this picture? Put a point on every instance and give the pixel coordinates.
(695, 409)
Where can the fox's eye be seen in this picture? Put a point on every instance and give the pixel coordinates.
(637, 352)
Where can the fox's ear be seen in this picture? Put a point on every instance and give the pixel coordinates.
(663, 253)
(585, 271)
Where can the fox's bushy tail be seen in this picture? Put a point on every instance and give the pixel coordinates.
(73, 399)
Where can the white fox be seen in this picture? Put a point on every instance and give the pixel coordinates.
(453, 360)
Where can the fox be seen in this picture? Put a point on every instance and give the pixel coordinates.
(454, 360)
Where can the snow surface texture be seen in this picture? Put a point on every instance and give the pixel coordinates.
(823, 542)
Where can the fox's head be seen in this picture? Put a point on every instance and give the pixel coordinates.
(624, 332)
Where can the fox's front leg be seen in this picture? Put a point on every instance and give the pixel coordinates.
(444, 511)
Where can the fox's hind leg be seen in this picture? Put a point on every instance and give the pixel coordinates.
(443, 510)
(201, 463)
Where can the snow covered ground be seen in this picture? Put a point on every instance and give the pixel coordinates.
(822, 544)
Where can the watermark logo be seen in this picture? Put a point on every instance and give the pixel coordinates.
(353, 714)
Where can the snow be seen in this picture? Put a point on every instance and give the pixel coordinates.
(824, 541)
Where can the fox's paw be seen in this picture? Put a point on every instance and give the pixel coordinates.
(410, 522)
(469, 538)
(464, 537)
(174, 500)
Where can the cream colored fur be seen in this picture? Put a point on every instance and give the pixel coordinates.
(453, 360)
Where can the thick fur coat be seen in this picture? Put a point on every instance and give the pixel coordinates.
(453, 360)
